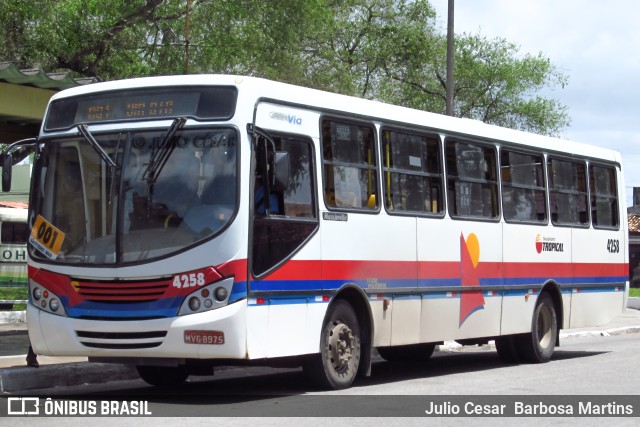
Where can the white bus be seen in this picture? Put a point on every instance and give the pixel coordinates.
(183, 222)
(13, 244)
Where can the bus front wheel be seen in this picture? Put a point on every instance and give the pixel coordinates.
(337, 363)
(162, 375)
(538, 346)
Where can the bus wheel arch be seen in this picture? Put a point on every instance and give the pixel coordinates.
(345, 341)
(538, 345)
(553, 289)
(356, 297)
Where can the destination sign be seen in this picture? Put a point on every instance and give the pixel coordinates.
(139, 107)
(203, 103)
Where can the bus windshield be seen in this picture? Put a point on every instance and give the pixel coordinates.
(113, 215)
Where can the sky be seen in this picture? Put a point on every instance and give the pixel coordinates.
(595, 43)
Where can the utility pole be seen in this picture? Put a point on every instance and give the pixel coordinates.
(186, 41)
(450, 54)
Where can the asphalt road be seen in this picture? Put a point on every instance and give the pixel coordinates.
(590, 367)
(14, 344)
(602, 365)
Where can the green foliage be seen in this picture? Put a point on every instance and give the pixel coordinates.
(12, 293)
(390, 50)
(492, 84)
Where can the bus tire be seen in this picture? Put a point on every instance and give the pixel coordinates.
(336, 366)
(407, 353)
(538, 346)
(162, 376)
(507, 350)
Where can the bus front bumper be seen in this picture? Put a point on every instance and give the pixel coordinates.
(214, 334)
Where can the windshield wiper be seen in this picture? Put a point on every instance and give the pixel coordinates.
(82, 128)
(96, 145)
(159, 158)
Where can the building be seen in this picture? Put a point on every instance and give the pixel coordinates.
(23, 98)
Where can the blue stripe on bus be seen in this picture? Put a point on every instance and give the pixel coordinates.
(390, 284)
(169, 307)
(300, 299)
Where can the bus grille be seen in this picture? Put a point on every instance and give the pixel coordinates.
(121, 340)
(121, 292)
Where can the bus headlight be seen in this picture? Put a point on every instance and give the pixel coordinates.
(221, 293)
(44, 299)
(207, 298)
(194, 303)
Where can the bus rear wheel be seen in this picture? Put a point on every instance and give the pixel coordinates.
(162, 376)
(336, 366)
(538, 346)
(407, 353)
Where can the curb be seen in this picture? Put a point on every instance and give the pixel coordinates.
(63, 375)
(606, 333)
(13, 316)
(453, 346)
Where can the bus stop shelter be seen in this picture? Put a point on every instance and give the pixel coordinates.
(24, 94)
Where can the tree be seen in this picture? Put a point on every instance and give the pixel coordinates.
(390, 50)
(359, 37)
(492, 83)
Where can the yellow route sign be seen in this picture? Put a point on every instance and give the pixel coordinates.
(46, 238)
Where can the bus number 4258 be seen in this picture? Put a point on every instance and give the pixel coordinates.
(188, 280)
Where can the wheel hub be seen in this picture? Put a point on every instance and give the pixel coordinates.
(341, 346)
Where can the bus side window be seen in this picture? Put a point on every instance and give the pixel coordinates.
(523, 188)
(350, 170)
(412, 172)
(472, 178)
(568, 192)
(14, 232)
(604, 196)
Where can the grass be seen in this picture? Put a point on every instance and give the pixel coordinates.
(634, 292)
(15, 293)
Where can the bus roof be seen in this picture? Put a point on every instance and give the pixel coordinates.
(253, 89)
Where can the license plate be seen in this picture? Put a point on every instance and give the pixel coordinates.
(204, 337)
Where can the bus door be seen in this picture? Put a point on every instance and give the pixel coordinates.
(285, 281)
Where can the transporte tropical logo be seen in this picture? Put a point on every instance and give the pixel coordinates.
(548, 244)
